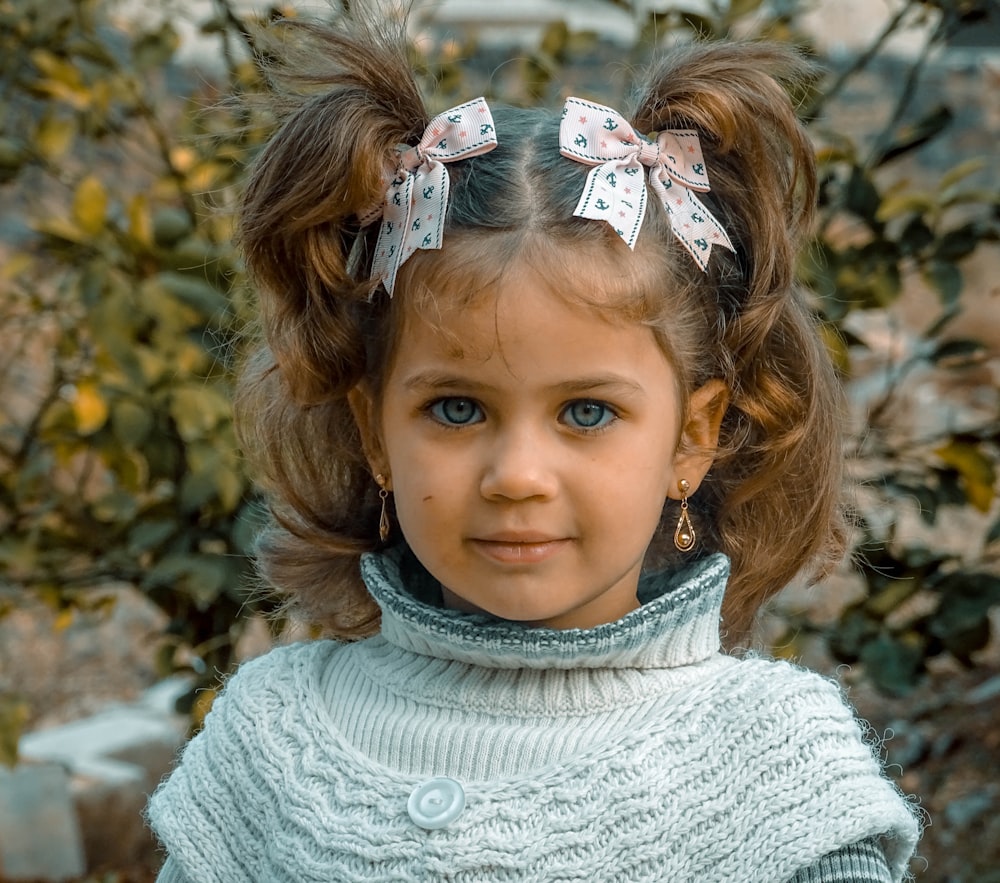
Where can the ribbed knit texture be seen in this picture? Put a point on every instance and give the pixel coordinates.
(858, 863)
(633, 751)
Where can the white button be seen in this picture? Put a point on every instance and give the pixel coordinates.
(436, 802)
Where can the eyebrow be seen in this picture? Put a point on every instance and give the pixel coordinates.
(606, 383)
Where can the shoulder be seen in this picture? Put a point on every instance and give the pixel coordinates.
(796, 747)
(803, 713)
(263, 717)
(266, 696)
(765, 684)
(278, 668)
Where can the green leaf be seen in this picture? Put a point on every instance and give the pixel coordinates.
(118, 507)
(961, 620)
(155, 48)
(917, 134)
(740, 8)
(855, 629)
(170, 226)
(960, 350)
(197, 410)
(249, 522)
(915, 237)
(13, 156)
(892, 596)
(861, 196)
(895, 663)
(957, 244)
(700, 25)
(147, 535)
(555, 40)
(131, 422)
(946, 279)
(197, 293)
(200, 577)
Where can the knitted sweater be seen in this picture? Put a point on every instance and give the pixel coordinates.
(455, 747)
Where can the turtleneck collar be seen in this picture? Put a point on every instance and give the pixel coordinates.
(677, 625)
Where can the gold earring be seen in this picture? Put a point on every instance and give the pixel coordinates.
(684, 535)
(383, 520)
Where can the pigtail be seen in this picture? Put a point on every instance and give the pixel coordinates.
(345, 98)
(774, 495)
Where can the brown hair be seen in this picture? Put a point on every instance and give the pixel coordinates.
(346, 100)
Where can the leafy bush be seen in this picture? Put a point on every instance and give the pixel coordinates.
(124, 298)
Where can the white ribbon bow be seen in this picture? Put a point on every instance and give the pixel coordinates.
(614, 192)
(417, 199)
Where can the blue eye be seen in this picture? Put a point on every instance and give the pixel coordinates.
(588, 414)
(456, 411)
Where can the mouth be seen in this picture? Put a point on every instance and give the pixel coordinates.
(519, 548)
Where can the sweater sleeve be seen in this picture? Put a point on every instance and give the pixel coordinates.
(171, 873)
(862, 862)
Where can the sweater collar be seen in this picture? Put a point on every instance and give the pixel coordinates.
(677, 625)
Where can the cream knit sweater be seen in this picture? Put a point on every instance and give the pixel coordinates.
(634, 751)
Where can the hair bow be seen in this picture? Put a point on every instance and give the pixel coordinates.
(417, 199)
(614, 192)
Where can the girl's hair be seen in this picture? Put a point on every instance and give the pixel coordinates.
(346, 100)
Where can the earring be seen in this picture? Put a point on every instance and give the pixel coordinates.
(383, 520)
(684, 535)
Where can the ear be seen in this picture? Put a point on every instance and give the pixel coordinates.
(363, 407)
(699, 440)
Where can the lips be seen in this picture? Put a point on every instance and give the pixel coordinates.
(519, 548)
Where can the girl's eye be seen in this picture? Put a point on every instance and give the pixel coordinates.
(588, 414)
(455, 411)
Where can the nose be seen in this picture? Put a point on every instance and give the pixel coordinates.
(520, 466)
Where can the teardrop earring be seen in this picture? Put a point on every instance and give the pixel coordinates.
(383, 520)
(684, 535)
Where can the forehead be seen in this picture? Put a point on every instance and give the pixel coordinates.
(523, 334)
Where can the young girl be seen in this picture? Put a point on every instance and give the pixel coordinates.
(542, 423)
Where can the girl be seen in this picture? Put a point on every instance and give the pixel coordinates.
(548, 381)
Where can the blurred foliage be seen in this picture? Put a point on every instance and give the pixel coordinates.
(123, 300)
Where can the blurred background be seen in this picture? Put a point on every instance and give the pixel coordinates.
(126, 516)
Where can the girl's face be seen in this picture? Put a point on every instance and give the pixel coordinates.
(530, 446)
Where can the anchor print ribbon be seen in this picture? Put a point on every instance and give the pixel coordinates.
(614, 192)
(417, 199)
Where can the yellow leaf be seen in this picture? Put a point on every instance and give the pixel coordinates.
(978, 474)
(836, 346)
(14, 716)
(16, 264)
(826, 155)
(961, 171)
(89, 408)
(915, 202)
(90, 205)
(55, 68)
(183, 158)
(61, 228)
(140, 219)
(63, 620)
(201, 707)
(54, 136)
(60, 79)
